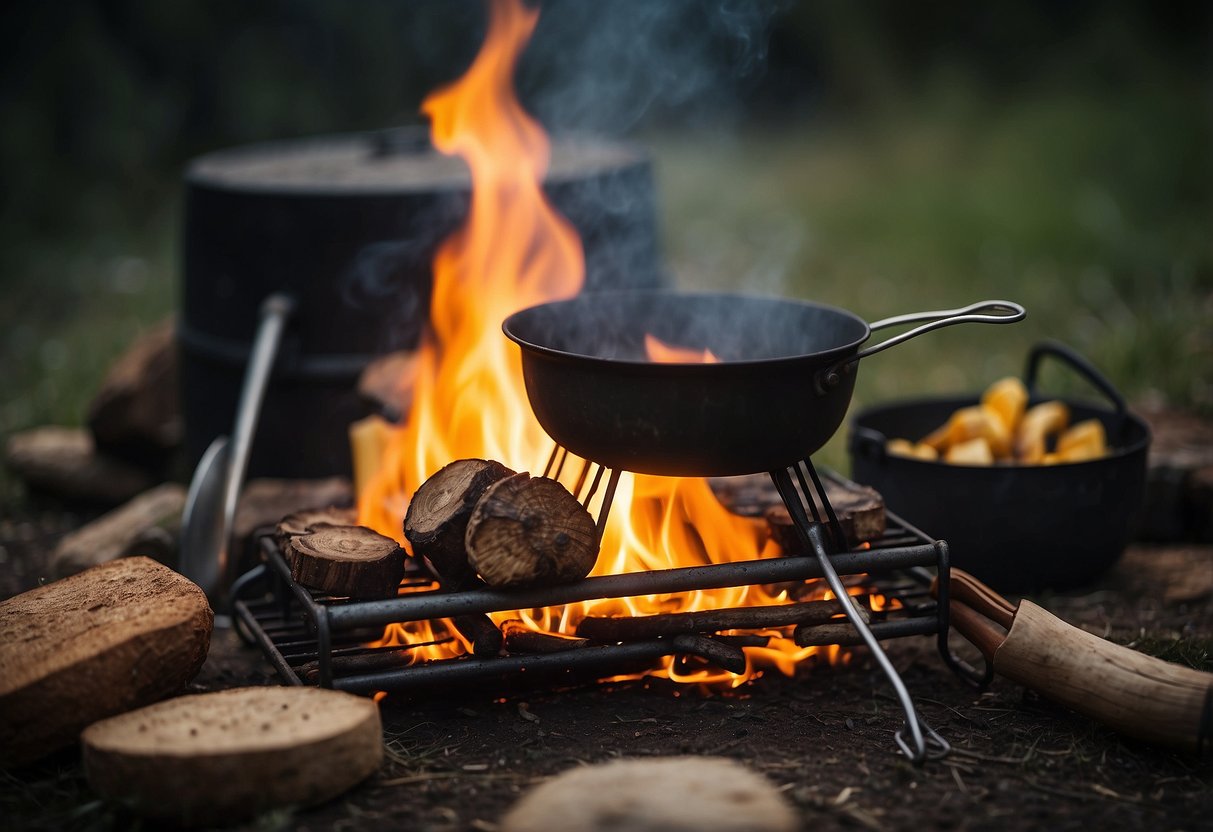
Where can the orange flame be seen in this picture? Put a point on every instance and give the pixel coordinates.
(514, 251)
(662, 353)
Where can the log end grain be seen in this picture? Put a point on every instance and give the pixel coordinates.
(115, 637)
(219, 757)
(348, 561)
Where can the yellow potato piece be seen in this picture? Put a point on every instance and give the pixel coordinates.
(1085, 440)
(973, 452)
(967, 423)
(1038, 424)
(1008, 398)
(914, 450)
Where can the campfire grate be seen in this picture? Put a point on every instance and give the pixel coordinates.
(317, 640)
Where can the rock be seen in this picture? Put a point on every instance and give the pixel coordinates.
(696, 794)
(115, 637)
(148, 525)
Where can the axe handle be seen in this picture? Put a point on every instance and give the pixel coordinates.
(1135, 694)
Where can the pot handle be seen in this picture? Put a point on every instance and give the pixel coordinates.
(979, 312)
(1079, 364)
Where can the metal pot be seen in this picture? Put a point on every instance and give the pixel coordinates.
(347, 226)
(779, 392)
(1018, 528)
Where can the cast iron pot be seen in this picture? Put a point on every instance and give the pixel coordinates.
(1019, 528)
(347, 227)
(779, 392)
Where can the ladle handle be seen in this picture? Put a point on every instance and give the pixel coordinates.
(935, 320)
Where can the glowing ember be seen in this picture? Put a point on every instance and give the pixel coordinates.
(514, 251)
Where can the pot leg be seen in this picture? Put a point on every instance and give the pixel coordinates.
(923, 740)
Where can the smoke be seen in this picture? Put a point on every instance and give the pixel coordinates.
(608, 68)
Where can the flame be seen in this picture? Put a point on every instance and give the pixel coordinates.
(515, 251)
(662, 353)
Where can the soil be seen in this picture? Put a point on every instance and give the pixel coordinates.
(825, 737)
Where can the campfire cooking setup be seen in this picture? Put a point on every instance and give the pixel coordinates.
(564, 475)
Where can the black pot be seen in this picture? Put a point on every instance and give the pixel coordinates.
(1018, 528)
(347, 226)
(778, 392)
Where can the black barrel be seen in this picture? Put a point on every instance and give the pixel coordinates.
(348, 225)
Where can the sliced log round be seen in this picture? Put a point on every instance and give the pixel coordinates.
(311, 520)
(530, 531)
(350, 561)
(438, 515)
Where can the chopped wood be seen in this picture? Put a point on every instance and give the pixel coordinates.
(264, 502)
(362, 663)
(386, 384)
(309, 520)
(347, 561)
(519, 638)
(148, 525)
(860, 509)
(118, 636)
(215, 758)
(65, 463)
(136, 413)
(638, 628)
(437, 519)
(530, 531)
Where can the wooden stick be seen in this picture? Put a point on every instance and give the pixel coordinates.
(842, 633)
(479, 629)
(725, 656)
(599, 628)
(519, 638)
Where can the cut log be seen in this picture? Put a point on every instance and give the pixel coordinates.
(386, 384)
(64, 463)
(722, 654)
(136, 413)
(348, 561)
(485, 637)
(530, 531)
(860, 509)
(264, 502)
(215, 758)
(310, 520)
(519, 638)
(437, 519)
(127, 530)
(707, 794)
(637, 628)
(118, 636)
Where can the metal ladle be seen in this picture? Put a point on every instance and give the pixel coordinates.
(210, 506)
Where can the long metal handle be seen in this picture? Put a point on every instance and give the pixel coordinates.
(275, 310)
(972, 314)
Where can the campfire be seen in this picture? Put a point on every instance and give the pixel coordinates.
(528, 562)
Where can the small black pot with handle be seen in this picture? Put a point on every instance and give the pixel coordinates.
(1019, 528)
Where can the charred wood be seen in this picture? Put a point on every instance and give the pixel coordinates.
(636, 628)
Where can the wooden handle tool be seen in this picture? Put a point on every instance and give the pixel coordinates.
(1135, 694)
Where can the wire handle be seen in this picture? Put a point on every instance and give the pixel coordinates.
(976, 313)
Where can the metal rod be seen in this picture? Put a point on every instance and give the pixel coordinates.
(585, 469)
(607, 499)
(547, 469)
(241, 611)
(840, 540)
(589, 497)
(422, 605)
(808, 495)
(811, 538)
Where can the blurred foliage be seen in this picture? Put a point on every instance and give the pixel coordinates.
(883, 156)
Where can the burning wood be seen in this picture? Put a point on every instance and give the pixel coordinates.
(437, 520)
(129, 530)
(519, 638)
(349, 561)
(708, 621)
(529, 531)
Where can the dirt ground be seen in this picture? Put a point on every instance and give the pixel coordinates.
(825, 738)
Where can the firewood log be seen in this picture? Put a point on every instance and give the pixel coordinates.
(437, 519)
(530, 531)
(636, 628)
(349, 561)
(311, 520)
(860, 512)
(519, 638)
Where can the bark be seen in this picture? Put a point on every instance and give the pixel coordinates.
(348, 561)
